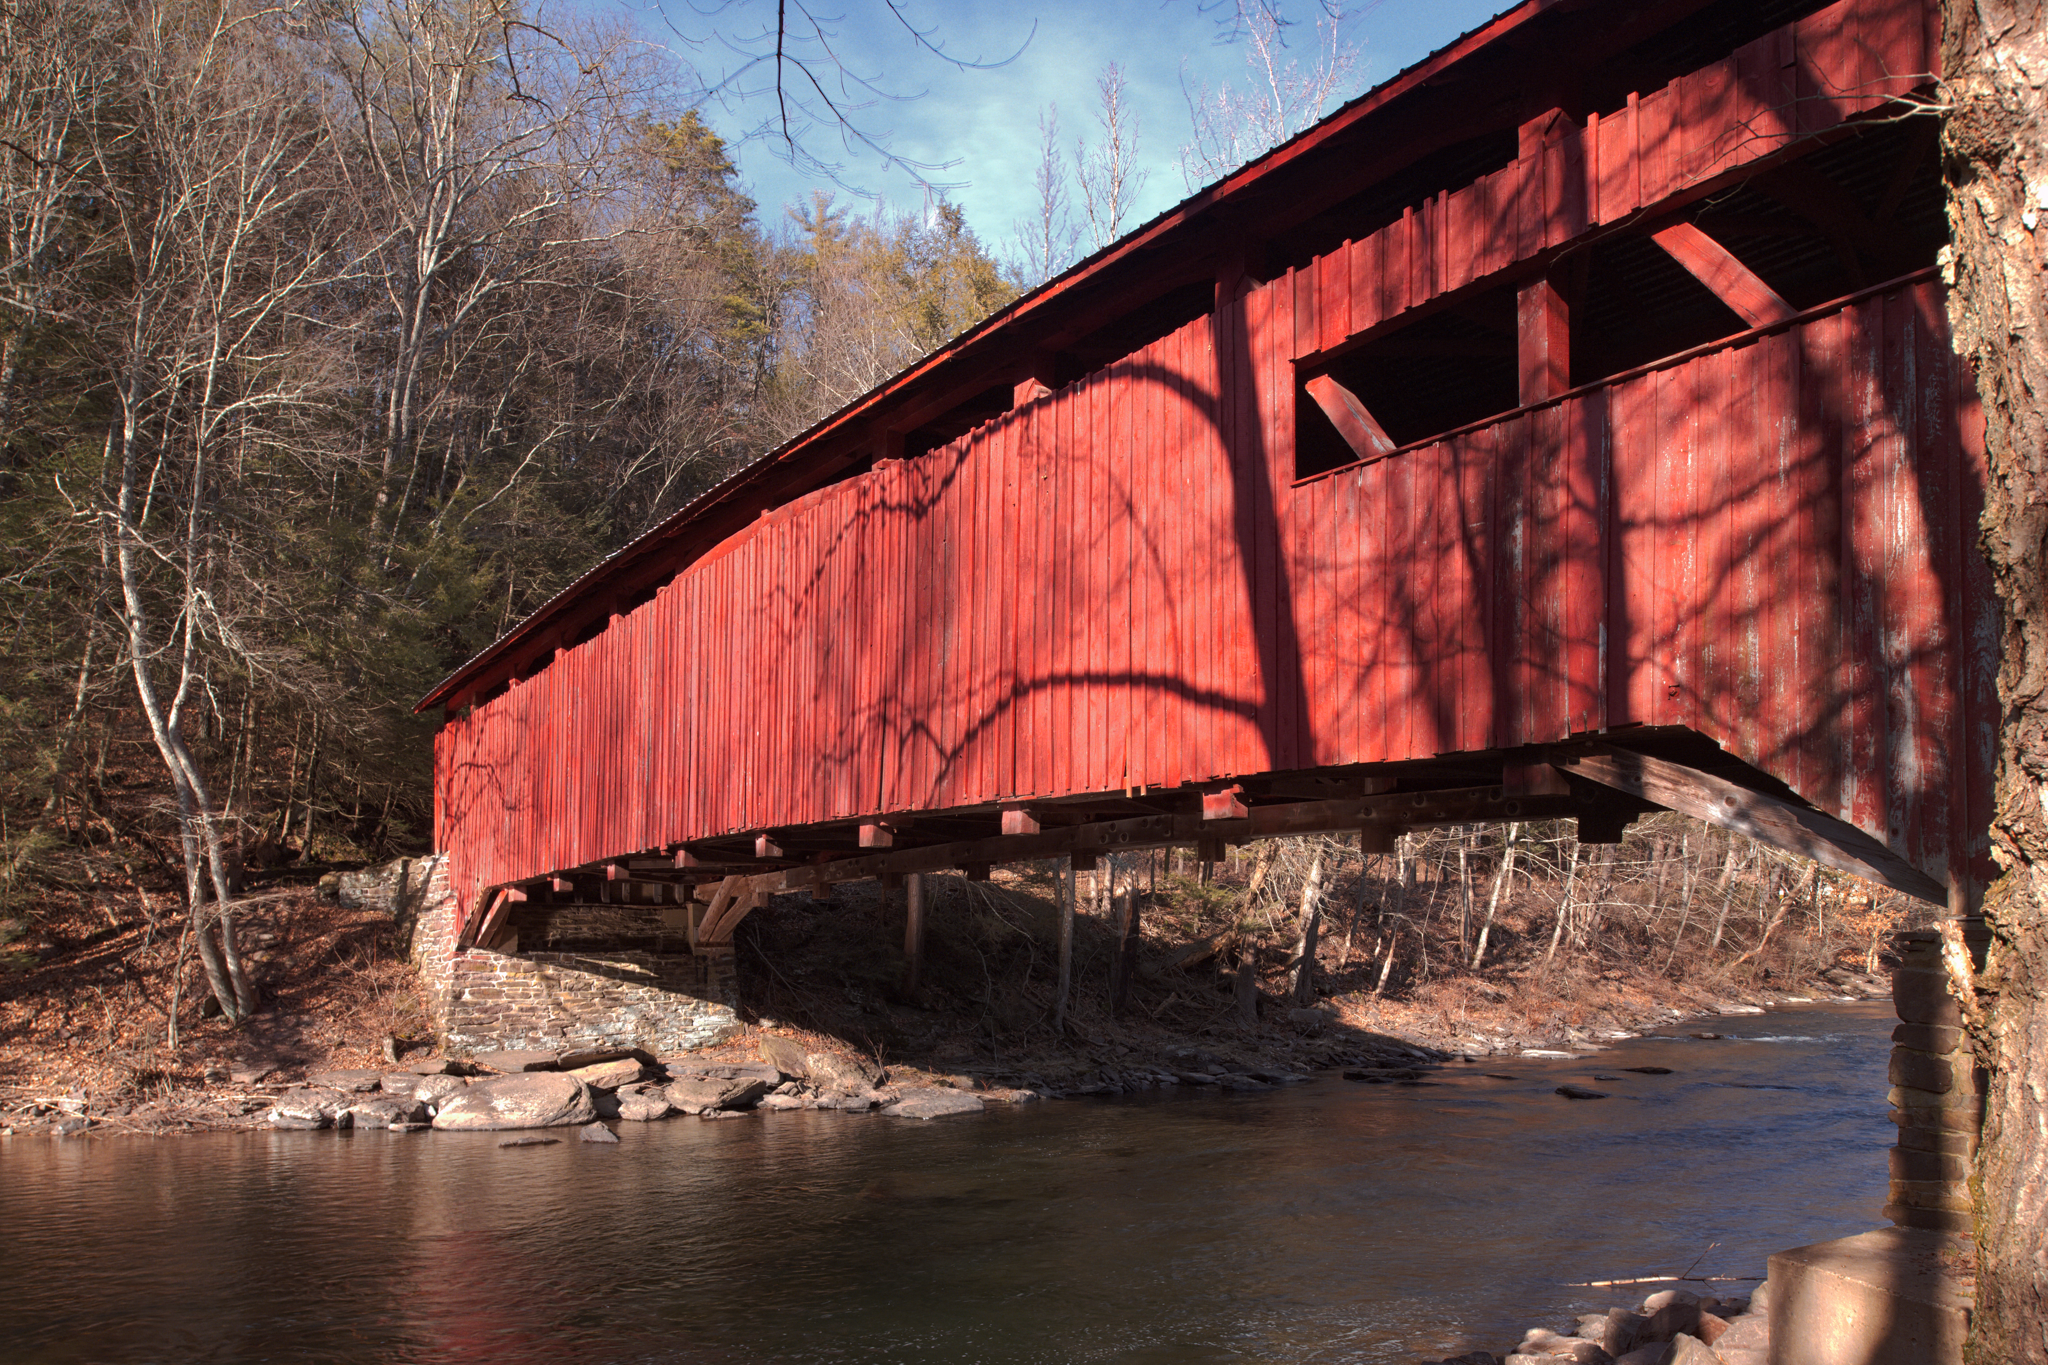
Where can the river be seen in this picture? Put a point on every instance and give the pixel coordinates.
(1331, 1221)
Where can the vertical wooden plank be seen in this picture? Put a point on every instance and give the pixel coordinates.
(1403, 606)
(1657, 143)
(914, 744)
(1305, 329)
(1817, 674)
(1867, 435)
(1333, 297)
(1765, 92)
(1823, 73)
(1549, 462)
(1117, 600)
(1396, 264)
(1564, 184)
(1202, 556)
(1765, 538)
(1051, 738)
(1365, 283)
(1185, 585)
(1708, 585)
(1615, 159)
(1146, 452)
(1170, 517)
(1436, 585)
(1078, 514)
(864, 715)
(1279, 406)
(1921, 691)
(1585, 550)
(1026, 604)
(1056, 573)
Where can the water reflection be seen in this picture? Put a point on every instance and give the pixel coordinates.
(1329, 1222)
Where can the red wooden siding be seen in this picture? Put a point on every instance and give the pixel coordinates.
(1802, 79)
(1766, 543)
(1123, 585)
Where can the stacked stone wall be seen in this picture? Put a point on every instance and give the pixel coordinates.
(1937, 1094)
(483, 1001)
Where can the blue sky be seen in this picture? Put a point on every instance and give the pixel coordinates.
(987, 120)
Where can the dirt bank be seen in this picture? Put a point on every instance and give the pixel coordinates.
(1214, 985)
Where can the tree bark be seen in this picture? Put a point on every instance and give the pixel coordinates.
(1995, 159)
(1303, 987)
(1500, 878)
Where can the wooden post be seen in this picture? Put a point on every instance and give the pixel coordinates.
(1125, 965)
(913, 930)
(1068, 886)
(1543, 352)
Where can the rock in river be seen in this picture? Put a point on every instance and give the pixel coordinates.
(610, 1075)
(933, 1103)
(1580, 1092)
(526, 1099)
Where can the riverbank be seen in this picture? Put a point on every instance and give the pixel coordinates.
(85, 1044)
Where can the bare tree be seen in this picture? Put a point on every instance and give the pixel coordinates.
(1046, 240)
(1280, 95)
(1108, 173)
(219, 192)
(489, 134)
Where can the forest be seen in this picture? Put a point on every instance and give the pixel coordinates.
(333, 339)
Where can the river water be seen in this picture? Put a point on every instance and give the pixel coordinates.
(1331, 1221)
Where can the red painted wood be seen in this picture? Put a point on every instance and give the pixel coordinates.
(1123, 584)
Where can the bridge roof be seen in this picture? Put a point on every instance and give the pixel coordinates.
(1273, 212)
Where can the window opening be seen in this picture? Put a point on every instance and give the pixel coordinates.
(1453, 366)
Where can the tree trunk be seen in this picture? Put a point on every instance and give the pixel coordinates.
(1507, 870)
(1303, 987)
(1464, 890)
(1564, 902)
(1727, 896)
(1995, 156)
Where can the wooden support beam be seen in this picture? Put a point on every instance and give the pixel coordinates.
(1795, 829)
(1533, 779)
(712, 927)
(976, 872)
(1124, 965)
(913, 931)
(493, 919)
(1377, 838)
(1029, 390)
(1018, 820)
(1543, 350)
(1734, 283)
(560, 885)
(765, 846)
(877, 836)
(1081, 862)
(615, 872)
(1084, 843)
(1226, 804)
(1359, 428)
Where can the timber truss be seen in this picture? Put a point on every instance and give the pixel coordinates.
(1603, 784)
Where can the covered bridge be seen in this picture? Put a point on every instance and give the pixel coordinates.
(1567, 427)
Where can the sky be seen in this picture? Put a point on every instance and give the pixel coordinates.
(984, 121)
